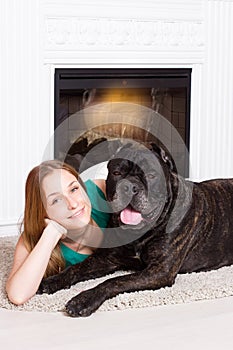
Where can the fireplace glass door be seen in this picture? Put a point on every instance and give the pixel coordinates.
(164, 91)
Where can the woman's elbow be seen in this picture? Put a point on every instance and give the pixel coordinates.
(15, 297)
(16, 300)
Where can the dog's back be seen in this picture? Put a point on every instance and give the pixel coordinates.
(210, 221)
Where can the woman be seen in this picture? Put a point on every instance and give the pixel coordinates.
(61, 226)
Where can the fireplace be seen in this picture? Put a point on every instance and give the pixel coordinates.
(165, 91)
(57, 34)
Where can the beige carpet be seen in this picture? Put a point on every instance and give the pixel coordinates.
(189, 287)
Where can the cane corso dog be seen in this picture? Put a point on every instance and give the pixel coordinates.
(162, 225)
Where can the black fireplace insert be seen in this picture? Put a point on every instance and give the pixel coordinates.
(166, 91)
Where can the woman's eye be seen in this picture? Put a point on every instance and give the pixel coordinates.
(56, 200)
(74, 189)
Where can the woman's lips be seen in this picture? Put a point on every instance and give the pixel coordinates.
(77, 213)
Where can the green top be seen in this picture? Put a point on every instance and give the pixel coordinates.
(98, 200)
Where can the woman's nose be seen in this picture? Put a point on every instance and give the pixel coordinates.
(71, 203)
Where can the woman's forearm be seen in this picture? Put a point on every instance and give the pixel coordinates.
(24, 282)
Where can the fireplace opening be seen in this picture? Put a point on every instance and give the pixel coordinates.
(165, 91)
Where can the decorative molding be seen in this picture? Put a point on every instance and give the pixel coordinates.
(76, 34)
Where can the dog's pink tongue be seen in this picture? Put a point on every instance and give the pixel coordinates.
(130, 216)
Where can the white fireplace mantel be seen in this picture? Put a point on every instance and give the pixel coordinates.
(38, 36)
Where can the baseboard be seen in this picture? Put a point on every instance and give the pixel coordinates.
(9, 230)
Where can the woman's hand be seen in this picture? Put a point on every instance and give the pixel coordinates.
(53, 226)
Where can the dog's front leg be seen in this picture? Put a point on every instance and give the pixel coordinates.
(85, 303)
(97, 265)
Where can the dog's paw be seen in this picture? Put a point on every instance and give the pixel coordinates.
(84, 304)
(51, 285)
(46, 287)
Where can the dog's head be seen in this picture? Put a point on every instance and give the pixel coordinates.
(140, 185)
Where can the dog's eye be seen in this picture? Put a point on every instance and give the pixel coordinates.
(151, 176)
(116, 173)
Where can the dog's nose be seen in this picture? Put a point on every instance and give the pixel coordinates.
(130, 188)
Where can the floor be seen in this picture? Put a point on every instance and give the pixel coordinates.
(199, 325)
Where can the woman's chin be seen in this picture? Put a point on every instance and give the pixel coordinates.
(77, 226)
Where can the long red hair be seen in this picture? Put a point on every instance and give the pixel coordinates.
(35, 213)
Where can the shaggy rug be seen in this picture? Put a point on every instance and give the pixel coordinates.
(187, 288)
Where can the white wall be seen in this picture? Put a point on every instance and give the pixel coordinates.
(39, 35)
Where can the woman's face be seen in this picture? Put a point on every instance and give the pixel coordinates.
(66, 202)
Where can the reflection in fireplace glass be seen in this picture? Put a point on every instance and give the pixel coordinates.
(166, 91)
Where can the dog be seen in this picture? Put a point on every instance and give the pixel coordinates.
(162, 225)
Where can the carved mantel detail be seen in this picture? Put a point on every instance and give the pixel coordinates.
(75, 33)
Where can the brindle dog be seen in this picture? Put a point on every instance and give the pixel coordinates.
(166, 226)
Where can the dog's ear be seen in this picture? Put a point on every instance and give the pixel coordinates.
(165, 156)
